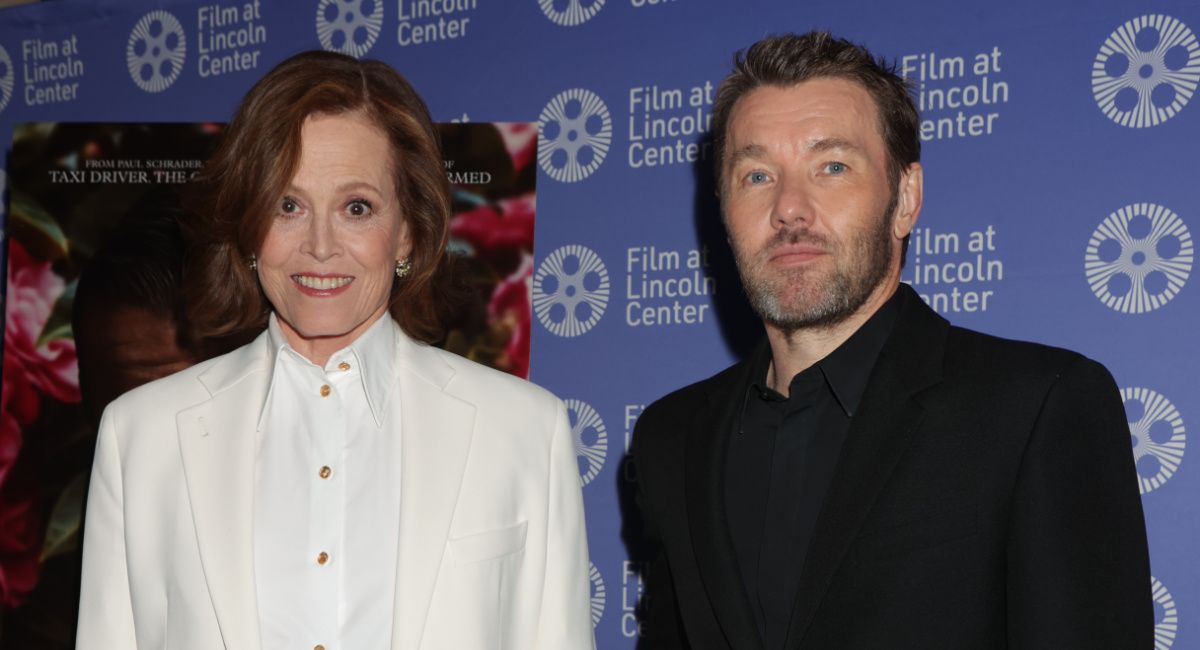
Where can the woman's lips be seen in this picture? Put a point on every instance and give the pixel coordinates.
(322, 285)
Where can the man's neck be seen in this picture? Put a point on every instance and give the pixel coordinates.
(795, 351)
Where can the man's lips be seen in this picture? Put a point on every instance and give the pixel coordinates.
(795, 253)
(322, 284)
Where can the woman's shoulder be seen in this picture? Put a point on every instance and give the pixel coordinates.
(485, 385)
(468, 371)
(189, 385)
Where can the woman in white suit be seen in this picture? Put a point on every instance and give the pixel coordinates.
(336, 483)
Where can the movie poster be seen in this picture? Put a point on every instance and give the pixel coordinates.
(492, 169)
(93, 225)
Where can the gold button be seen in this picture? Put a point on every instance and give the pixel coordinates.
(322, 558)
(325, 472)
(318, 647)
(325, 390)
(343, 366)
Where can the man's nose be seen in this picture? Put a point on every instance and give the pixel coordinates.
(793, 203)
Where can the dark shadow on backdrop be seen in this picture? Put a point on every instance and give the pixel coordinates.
(740, 328)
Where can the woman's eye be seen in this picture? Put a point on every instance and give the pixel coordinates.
(288, 206)
(359, 208)
(835, 168)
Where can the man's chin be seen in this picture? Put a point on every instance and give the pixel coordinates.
(804, 311)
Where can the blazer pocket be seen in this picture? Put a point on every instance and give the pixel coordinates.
(488, 545)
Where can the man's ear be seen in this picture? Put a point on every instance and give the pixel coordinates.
(908, 202)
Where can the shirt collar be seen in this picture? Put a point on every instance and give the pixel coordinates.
(848, 368)
(373, 353)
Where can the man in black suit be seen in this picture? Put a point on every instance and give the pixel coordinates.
(873, 477)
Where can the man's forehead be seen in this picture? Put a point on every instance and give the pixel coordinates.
(842, 113)
(810, 94)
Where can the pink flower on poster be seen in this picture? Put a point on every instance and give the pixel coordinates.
(21, 531)
(51, 367)
(509, 305)
(19, 407)
(520, 139)
(497, 227)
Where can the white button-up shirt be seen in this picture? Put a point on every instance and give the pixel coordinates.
(327, 496)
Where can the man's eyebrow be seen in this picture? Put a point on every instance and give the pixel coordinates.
(748, 151)
(831, 144)
(819, 145)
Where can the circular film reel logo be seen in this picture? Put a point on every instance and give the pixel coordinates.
(570, 290)
(349, 26)
(576, 130)
(1146, 71)
(570, 13)
(7, 77)
(1158, 436)
(1166, 616)
(591, 439)
(156, 50)
(599, 593)
(1138, 258)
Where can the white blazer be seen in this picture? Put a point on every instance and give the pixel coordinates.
(492, 552)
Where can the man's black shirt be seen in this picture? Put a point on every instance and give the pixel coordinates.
(780, 460)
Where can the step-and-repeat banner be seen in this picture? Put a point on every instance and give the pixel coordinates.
(1060, 148)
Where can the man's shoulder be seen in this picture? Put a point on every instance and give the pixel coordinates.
(970, 350)
(688, 398)
(672, 415)
(1008, 371)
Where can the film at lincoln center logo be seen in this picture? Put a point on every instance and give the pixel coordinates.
(599, 593)
(1158, 436)
(576, 130)
(591, 438)
(1138, 258)
(1166, 615)
(1146, 71)
(7, 77)
(156, 51)
(570, 290)
(349, 26)
(570, 13)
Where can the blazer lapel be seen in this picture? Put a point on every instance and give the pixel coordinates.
(880, 432)
(704, 484)
(217, 445)
(436, 430)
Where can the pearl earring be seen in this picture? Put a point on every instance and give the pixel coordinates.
(403, 267)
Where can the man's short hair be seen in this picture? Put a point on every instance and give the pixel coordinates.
(787, 60)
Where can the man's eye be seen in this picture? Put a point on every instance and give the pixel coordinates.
(756, 177)
(359, 208)
(835, 168)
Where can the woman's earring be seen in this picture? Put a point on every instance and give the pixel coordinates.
(253, 263)
(403, 267)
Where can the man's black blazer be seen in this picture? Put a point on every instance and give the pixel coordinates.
(985, 497)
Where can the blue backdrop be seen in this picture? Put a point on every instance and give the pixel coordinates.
(1061, 186)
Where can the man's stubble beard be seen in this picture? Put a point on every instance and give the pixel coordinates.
(803, 297)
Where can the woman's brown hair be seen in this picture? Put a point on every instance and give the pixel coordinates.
(233, 200)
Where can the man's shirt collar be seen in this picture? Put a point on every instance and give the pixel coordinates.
(847, 369)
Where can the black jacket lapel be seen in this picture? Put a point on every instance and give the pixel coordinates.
(880, 432)
(704, 476)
